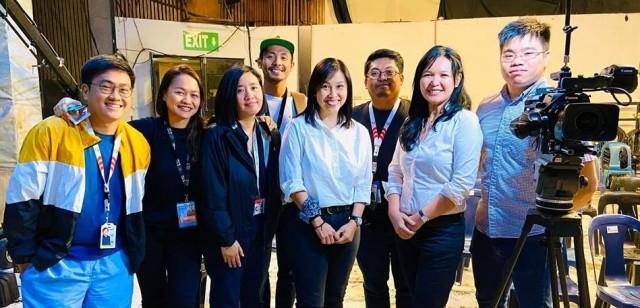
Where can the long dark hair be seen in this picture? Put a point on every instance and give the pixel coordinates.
(324, 70)
(226, 105)
(419, 108)
(196, 124)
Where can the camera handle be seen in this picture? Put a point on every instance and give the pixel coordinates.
(565, 71)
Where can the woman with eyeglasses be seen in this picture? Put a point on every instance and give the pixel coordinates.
(242, 197)
(325, 171)
(433, 169)
(170, 272)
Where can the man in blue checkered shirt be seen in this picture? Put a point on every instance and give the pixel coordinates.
(508, 177)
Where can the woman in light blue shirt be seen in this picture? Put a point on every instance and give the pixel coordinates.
(433, 169)
(325, 171)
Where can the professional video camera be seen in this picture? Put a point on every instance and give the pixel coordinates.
(564, 124)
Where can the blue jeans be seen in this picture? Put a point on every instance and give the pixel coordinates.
(430, 260)
(321, 272)
(377, 251)
(170, 272)
(530, 276)
(241, 286)
(104, 282)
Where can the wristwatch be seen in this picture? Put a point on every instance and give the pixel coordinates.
(357, 219)
(423, 216)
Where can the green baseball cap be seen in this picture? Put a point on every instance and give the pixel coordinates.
(278, 42)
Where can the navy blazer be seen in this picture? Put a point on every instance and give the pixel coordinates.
(228, 182)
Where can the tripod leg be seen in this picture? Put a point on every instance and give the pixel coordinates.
(583, 284)
(562, 270)
(511, 264)
(553, 271)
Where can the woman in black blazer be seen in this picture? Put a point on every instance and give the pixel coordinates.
(241, 190)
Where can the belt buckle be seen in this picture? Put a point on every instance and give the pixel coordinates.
(331, 210)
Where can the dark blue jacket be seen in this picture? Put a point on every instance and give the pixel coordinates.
(229, 184)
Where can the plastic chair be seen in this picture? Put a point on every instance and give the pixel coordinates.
(615, 289)
(625, 183)
(615, 160)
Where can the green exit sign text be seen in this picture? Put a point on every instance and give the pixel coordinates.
(202, 41)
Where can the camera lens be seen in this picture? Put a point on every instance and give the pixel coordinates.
(588, 121)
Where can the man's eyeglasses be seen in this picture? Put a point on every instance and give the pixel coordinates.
(108, 89)
(376, 74)
(508, 57)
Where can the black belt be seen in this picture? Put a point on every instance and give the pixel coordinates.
(330, 210)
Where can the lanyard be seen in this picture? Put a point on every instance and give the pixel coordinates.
(112, 166)
(184, 175)
(283, 105)
(378, 136)
(255, 153)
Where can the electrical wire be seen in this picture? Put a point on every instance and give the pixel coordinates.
(614, 90)
(221, 45)
(249, 43)
(135, 61)
(93, 37)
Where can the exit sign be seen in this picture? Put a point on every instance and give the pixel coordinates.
(201, 41)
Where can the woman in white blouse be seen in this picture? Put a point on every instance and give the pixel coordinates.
(433, 169)
(325, 171)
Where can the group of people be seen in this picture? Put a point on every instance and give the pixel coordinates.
(384, 182)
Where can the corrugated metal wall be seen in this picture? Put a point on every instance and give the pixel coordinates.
(173, 10)
(252, 12)
(275, 12)
(65, 23)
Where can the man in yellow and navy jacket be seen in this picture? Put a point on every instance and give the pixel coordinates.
(73, 216)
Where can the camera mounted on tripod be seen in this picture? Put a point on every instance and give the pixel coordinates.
(564, 124)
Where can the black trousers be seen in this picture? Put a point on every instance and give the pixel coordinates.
(170, 272)
(321, 272)
(378, 251)
(430, 260)
(241, 286)
(285, 287)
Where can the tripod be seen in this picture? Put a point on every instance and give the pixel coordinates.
(556, 226)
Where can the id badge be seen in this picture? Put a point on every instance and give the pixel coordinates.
(108, 236)
(186, 214)
(376, 195)
(374, 166)
(258, 206)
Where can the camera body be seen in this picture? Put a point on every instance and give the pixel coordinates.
(564, 124)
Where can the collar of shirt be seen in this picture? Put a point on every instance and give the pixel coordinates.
(323, 126)
(525, 94)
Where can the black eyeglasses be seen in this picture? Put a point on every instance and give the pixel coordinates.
(108, 89)
(376, 74)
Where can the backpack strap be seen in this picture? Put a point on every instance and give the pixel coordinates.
(299, 101)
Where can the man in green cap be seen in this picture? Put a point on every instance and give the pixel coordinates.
(276, 62)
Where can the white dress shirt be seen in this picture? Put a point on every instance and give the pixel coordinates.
(445, 163)
(333, 165)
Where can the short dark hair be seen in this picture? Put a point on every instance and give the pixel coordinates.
(384, 53)
(524, 26)
(102, 63)
(226, 108)
(324, 70)
(419, 107)
(195, 125)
